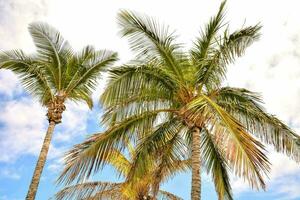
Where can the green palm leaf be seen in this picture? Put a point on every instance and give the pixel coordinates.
(89, 70)
(52, 48)
(213, 69)
(31, 72)
(127, 81)
(164, 195)
(246, 106)
(88, 157)
(205, 44)
(151, 41)
(90, 190)
(248, 158)
(216, 164)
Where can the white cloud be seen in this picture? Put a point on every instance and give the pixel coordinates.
(15, 15)
(288, 190)
(283, 182)
(23, 126)
(8, 80)
(21, 129)
(5, 197)
(10, 174)
(56, 165)
(285, 176)
(282, 166)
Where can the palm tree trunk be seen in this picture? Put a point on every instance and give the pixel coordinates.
(196, 164)
(40, 163)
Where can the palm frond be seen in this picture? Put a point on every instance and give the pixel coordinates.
(121, 111)
(164, 195)
(152, 41)
(235, 44)
(170, 161)
(211, 62)
(246, 106)
(32, 74)
(83, 96)
(165, 134)
(216, 164)
(118, 160)
(89, 190)
(89, 156)
(53, 49)
(247, 158)
(205, 44)
(74, 67)
(89, 71)
(128, 81)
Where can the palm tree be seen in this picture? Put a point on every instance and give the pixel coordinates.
(54, 75)
(144, 188)
(168, 93)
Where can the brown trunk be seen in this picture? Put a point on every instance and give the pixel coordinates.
(196, 164)
(55, 109)
(40, 163)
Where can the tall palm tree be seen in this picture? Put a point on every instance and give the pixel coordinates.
(170, 93)
(54, 75)
(143, 188)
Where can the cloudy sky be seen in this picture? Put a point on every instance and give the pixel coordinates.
(271, 66)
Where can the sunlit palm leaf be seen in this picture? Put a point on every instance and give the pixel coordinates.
(246, 106)
(151, 41)
(234, 45)
(89, 69)
(205, 44)
(89, 190)
(88, 157)
(215, 164)
(249, 158)
(52, 48)
(212, 68)
(164, 195)
(128, 81)
(81, 95)
(166, 134)
(32, 74)
(171, 161)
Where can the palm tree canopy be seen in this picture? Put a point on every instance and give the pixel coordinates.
(55, 69)
(166, 91)
(131, 188)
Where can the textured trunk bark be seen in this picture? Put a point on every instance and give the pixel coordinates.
(40, 163)
(196, 165)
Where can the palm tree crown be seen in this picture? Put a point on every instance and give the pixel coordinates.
(169, 94)
(56, 70)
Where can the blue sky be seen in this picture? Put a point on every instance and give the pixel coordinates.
(271, 67)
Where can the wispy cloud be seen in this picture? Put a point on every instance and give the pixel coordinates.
(9, 86)
(15, 15)
(21, 133)
(10, 174)
(283, 182)
(23, 126)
